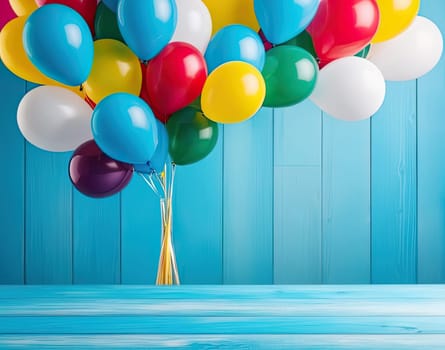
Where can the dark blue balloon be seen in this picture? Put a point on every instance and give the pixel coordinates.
(235, 43)
(58, 42)
(159, 158)
(282, 20)
(125, 128)
(147, 25)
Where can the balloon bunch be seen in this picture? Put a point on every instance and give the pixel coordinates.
(128, 83)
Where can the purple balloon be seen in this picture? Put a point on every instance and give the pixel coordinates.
(95, 174)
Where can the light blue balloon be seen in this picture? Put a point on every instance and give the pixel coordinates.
(111, 4)
(147, 25)
(284, 19)
(58, 42)
(235, 43)
(124, 128)
(159, 158)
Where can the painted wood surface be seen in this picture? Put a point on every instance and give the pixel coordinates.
(290, 196)
(196, 317)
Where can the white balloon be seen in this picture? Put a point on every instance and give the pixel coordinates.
(54, 119)
(411, 54)
(194, 24)
(350, 88)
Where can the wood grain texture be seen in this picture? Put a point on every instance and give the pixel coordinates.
(346, 201)
(248, 200)
(226, 341)
(48, 217)
(140, 233)
(297, 194)
(198, 217)
(431, 163)
(96, 239)
(12, 197)
(394, 186)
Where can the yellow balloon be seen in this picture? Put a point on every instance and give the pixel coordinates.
(115, 69)
(23, 7)
(395, 17)
(233, 92)
(225, 12)
(14, 57)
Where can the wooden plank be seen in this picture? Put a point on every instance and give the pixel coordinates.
(346, 201)
(248, 200)
(140, 233)
(431, 163)
(297, 194)
(221, 325)
(12, 179)
(297, 225)
(226, 341)
(233, 307)
(48, 217)
(197, 215)
(96, 239)
(330, 292)
(394, 186)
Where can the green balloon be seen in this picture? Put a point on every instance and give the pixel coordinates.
(303, 40)
(364, 53)
(105, 24)
(290, 73)
(191, 136)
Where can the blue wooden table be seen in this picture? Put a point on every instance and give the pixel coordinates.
(223, 317)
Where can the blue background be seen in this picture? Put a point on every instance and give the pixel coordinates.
(290, 196)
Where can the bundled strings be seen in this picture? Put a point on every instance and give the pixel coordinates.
(163, 184)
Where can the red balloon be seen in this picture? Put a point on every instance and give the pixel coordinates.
(267, 44)
(343, 27)
(86, 8)
(90, 102)
(6, 13)
(144, 95)
(175, 77)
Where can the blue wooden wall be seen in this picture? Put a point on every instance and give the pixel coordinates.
(290, 196)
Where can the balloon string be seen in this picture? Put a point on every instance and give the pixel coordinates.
(167, 268)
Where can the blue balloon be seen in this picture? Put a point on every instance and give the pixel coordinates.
(282, 20)
(235, 43)
(147, 25)
(125, 129)
(111, 4)
(157, 162)
(58, 42)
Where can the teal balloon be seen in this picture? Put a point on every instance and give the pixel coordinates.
(105, 24)
(147, 25)
(303, 40)
(58, 42)
(125, 128)
(364, 52)
(111, 4)
(290, 73)
(159, 158)
(284, 19)
(235, 43)
(191, 136)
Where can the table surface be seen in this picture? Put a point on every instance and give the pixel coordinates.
(223, 317)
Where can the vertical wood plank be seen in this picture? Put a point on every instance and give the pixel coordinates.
(346, 201)
(431, 162)
(96, 239)
(394, 187)
(48, 217)
(297, 194)
(248, 200)
(12, 204)
(140, 233)
(197, 213)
